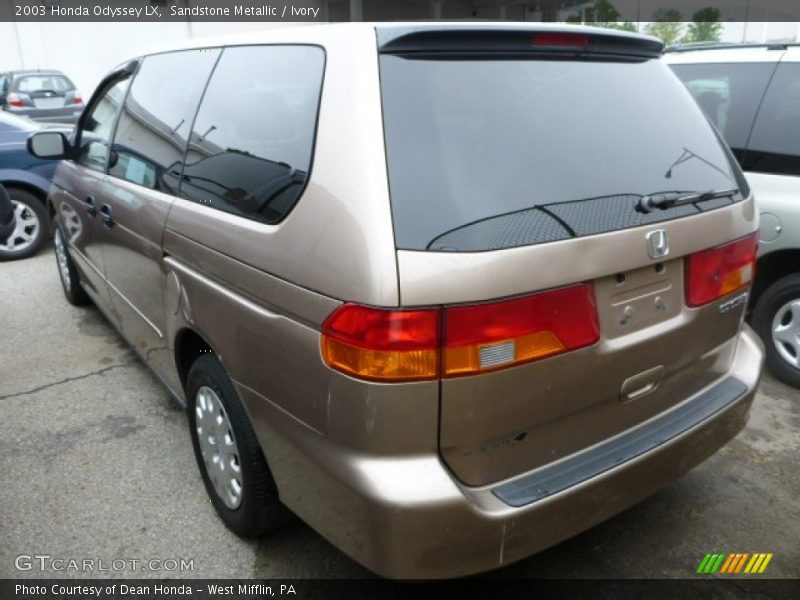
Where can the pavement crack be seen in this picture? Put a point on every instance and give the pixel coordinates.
(65, 380)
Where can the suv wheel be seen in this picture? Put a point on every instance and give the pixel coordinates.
(228, 454)
(31, 229)
(66, 270)
(777, 320)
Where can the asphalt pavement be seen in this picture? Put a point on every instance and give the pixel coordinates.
(96, 464)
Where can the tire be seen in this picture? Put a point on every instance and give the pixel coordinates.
(259, 509)
(30, 233)
(68, 274)
(776, 319)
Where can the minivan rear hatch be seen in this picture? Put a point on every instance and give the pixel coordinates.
(572, 163)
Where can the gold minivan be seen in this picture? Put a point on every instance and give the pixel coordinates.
(450, 293)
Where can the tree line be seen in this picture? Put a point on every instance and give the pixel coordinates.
(667, 25)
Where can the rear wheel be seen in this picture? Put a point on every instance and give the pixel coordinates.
(31, 226)
(777, 320)
(66, 270)
(234, 470)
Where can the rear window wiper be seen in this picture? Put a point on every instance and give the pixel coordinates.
(664, 200)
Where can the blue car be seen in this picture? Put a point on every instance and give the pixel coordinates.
(27, 180)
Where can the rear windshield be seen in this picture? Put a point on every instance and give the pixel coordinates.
(496, 153)
(41, 83)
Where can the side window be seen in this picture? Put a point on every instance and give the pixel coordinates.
(775, 142)
(3, 85)
(154, 125)
(254, 160)
(729, 93)
(95, 137)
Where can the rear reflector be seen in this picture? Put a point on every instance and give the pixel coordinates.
(408, 345)
(717, 272)
(485, 337)
(382, 345)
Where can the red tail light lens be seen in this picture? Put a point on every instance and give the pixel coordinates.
(382, 345)
(717, 272)
(486, 337)
(406, 345)
(78, 99)
(15, 101)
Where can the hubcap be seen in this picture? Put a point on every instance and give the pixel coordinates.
(786, 332)
(61, 257)
(25, 231)
(218, 447)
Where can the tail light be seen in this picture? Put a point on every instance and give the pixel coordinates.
(413, 345)
(486, 337)
(78, 99)
(717, 272)
(382, 345)
(15, 101)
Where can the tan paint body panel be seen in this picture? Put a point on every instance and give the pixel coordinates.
(496, 425)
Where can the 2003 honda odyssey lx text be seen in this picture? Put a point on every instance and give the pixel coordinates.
(451, 293)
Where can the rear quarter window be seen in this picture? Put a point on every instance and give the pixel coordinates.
(252, 143)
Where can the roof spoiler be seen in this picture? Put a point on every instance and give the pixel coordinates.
(458, 40)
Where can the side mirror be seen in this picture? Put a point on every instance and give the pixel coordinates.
(49, 145)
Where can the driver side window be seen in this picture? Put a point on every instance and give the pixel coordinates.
(95, 137)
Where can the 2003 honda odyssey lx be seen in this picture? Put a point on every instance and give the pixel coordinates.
(451, 293)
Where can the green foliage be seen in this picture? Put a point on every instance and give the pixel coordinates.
(602, 14)
(705, 26)
(667, 25)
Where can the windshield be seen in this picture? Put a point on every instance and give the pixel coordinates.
(486, 154)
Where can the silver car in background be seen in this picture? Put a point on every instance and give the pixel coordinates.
(48, 96)
(752, 94)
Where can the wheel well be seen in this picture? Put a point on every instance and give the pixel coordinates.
(189, 346)
(27, 187)
(772, 267)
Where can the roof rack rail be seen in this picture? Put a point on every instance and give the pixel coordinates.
(692, 46)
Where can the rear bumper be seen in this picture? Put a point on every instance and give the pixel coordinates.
(67, 115)
(409, 518)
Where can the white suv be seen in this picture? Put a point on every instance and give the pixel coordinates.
(752, 93)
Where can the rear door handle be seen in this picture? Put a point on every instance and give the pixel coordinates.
(108, 220)
(90, 206)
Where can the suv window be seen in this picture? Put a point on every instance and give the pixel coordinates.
(729, 93)
(495, 153)
(95, 137)
(153, 128)
(775, 142)
(252, 142)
